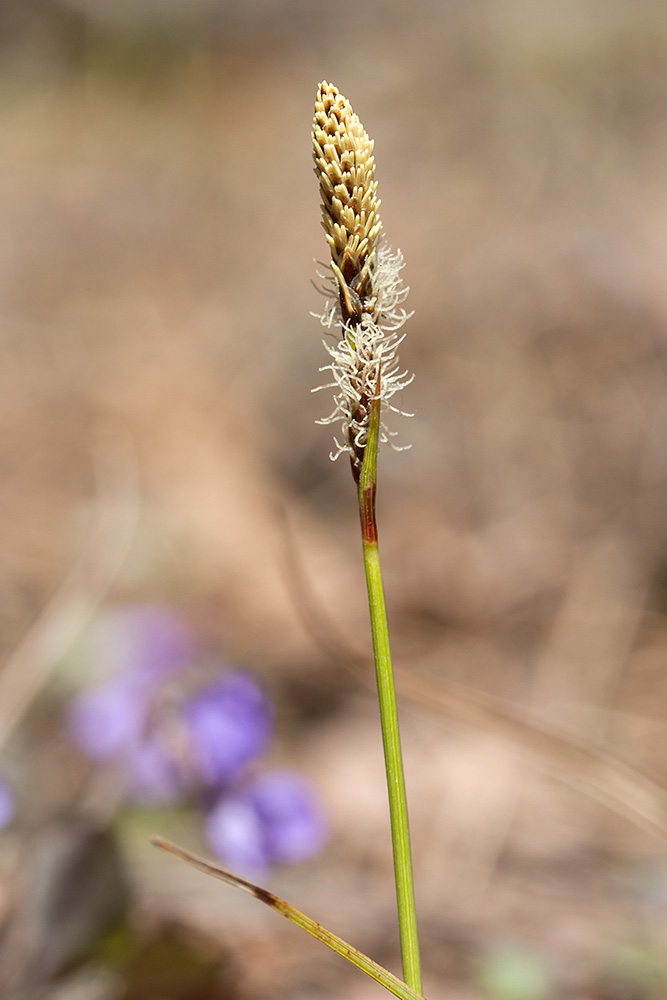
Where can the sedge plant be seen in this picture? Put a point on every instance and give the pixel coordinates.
(363, 316)
(365, 311)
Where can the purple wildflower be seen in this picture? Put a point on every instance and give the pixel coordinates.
(149, 641)
(155, 774)
(114, 722)
(228, 725)
(137, 650)
(6, 805)
(274, 818)
(107, 720)
(168, 747)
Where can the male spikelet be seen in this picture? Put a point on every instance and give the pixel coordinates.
(365, 281)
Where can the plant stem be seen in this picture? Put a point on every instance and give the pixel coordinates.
(398, 807)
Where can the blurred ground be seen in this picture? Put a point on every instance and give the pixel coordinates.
(158, 223)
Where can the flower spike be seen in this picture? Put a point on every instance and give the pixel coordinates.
(364, 284)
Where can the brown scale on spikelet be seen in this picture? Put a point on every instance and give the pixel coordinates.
(345, 167)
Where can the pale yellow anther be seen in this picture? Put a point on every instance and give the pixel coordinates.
(345, 165)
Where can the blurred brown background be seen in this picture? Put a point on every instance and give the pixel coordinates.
(158, 224)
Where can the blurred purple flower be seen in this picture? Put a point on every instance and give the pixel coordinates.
(274, 818)
(148, 641)
(228, 724)
(6, 804)
(107, 720)
(155, 775)
(168, 747)
(113, 722)
(136, 648)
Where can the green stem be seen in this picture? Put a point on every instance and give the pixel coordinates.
(398, 807)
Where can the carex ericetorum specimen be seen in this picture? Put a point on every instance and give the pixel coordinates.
(365, 290)
(367, 315)
(365, 311)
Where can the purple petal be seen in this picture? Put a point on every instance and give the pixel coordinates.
(136, 648)
(293, 822)
(106, 720)
(234, 831)
(147, 640)
(6, 805)
(154, 775)
(229, 724)
(275, 818)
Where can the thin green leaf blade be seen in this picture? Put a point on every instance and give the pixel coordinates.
(377, 972)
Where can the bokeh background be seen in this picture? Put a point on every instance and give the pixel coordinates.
(158, 224)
